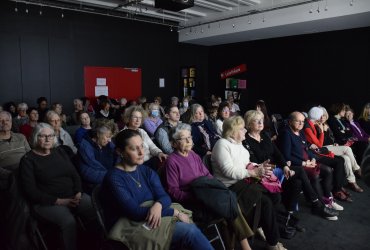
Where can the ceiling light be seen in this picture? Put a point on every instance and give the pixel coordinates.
(233, 25)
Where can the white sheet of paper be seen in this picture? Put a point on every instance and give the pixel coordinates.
(161, 82)
(101, 90)
(101, 81)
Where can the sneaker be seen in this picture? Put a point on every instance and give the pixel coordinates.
(330, 203)
(325, 212)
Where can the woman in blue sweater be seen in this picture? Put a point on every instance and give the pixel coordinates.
(134, 199)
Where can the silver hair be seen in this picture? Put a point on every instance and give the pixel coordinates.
(6, 113)
(193, 109)
(174, 133)
(36, 132)
(23, 106)
(51, 113)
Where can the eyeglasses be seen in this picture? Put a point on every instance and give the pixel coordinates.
(136, 117)
(185, 139)
(46, 136)
(298, 121)
(259, 121)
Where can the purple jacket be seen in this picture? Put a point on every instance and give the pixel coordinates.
(358, 132)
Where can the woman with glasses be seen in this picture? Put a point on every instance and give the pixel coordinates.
(153, 156)
(184, 166)
(62, 136)
(52, 185)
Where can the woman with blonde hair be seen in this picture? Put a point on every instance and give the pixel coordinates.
(229, 161)
(133, 117)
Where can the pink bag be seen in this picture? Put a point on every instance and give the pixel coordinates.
(271, 183)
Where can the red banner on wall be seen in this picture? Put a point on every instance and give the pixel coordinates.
(234, 71)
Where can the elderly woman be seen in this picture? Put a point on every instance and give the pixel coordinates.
(62, 136)
(134, 117)
(184, 166)
(96, 153)
(318, 132)
(58, 108)
(134, 199)
(229, 161)
(21, 118)
(52, 185)
(261, 148)
(152, 122)
(202, 130)
(82, 131)
(161, 134)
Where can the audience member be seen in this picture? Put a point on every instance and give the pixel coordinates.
(351, 166)
(202, 130)
(223, 112)
(152, 122)
(33, 117)
(229, 162)
(293, 145)
(52, 185)
(21, 118)
(172, 116)
(184, 166)
(62, 136)
(96, 154)
(82, 131)
(135, 201)
(364, 118)
(42, 107)
(153, 156)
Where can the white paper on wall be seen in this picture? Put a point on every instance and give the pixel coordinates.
(101, 90)
(101, 81)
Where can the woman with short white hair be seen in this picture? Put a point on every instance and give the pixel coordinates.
(52, 185)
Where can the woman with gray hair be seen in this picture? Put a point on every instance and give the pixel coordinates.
(96, 153)
(21, 118)
(182, 167)
(52, 185)
(62, 136)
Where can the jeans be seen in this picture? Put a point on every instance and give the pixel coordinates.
(189, 236)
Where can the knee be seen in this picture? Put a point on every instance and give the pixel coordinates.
(68, 222)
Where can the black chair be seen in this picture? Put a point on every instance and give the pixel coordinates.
(106, 242)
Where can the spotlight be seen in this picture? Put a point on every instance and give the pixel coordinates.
(171, 29)
(249, 21)
(40, 12)
(62, 16)
(202, 30)
(16, 9)
(27, 10)
(233, 25)
(351, 3)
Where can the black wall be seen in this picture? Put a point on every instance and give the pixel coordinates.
(293, 73)
(45, 55)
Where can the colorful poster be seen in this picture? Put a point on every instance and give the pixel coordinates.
(242, 84)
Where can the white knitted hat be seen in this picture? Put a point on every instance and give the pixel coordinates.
(315, 113)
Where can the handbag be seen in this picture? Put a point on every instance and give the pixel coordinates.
(324, 151)
(271, 183)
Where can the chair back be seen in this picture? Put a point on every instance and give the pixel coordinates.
(99, 209)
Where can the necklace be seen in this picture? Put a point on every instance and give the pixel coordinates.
(136, 181)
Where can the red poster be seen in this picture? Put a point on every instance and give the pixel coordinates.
(116, 81)
(234, 71)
